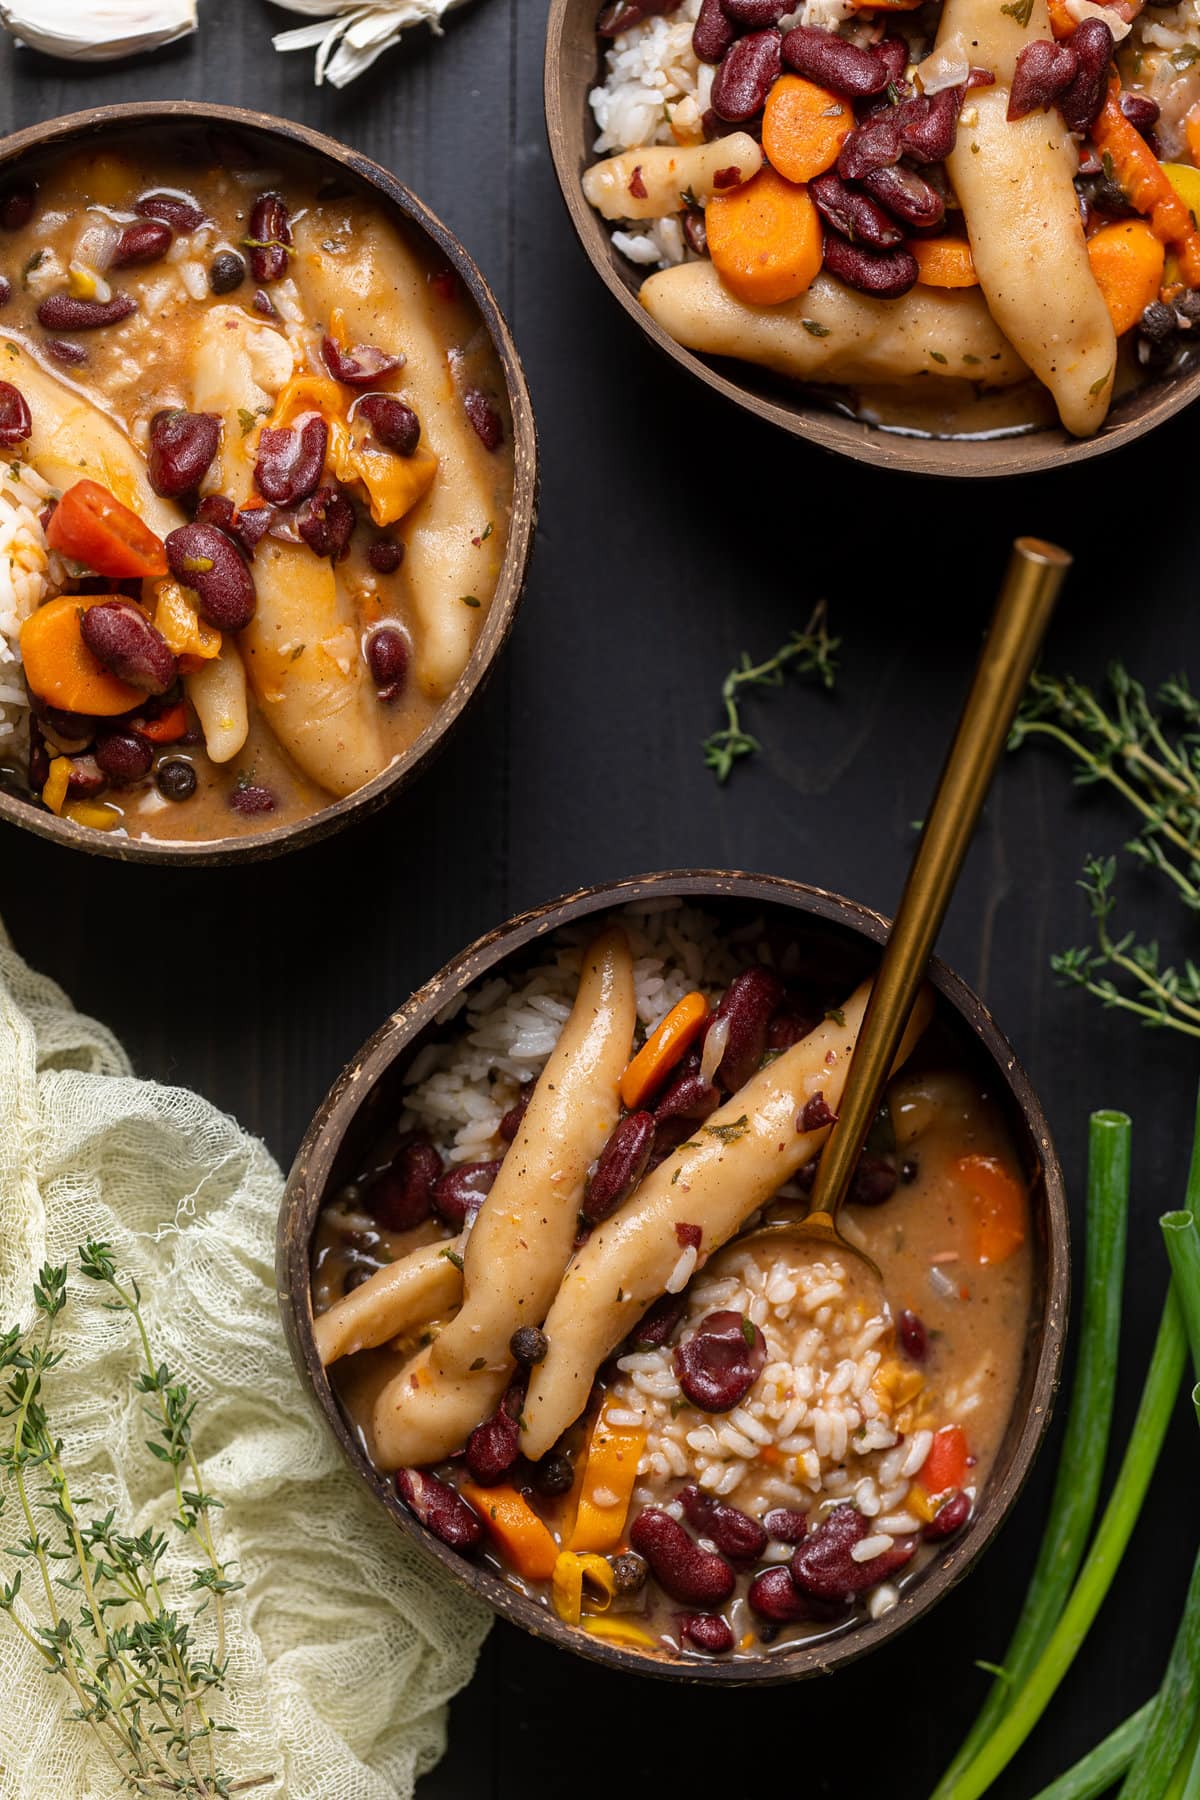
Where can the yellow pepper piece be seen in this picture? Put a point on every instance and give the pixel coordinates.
(567, 1585)
(620, 1631)
(94, 813)
(181, 625)
(81, 282)
(917, 1501)
(394, 483)
(1186, 182)
(55, 791)
(895, 1386)
(612, 1462)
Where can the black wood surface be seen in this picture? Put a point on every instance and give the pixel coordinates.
(675, 534)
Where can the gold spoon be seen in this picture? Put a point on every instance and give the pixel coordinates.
(1035, 575)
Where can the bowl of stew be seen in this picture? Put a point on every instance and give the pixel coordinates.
(953, 237)
(269, 488)
(522, 1273)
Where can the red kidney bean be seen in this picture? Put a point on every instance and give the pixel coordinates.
(875, 145)
(620, 15)
(437, 1506)
(697, 1577)
(494, 1446)
(721, 1361)
(119, 635)
(262, 303)
(735, 1533)
(395, 425)
(793, 1021)
(144, 243)
(949, 1518)
(906, 194)
(786, 1525)
(929, 124)
(387, 659)
(326, 523)
(884, 273)
(250, 527)
(385, 555)
(823, 1568)
(124, 757)
(893, 54)
(290, 461)
(208, 562)
(63, 352)
(695, 231)
(873, 1181)
(772, 1595)
(358, 365)
(16, 425)
(67, 727)
(182, 447)
(17, 201)
(484, 418)
(252, 799)
(1079, 104)
(834, 62)
(709, 1632)
(755, 15)
(1141, 111)
(462, 1190)
(269, 238)
(657, 1325)
(619, 1167)
(856, 216)
(748, 71)
(747, 1003)
(63, 312)
(914, 1339)
(815, 1114)
(713, 33)
(86, 778)
(512, 1121)
(179, 211)
(402, 1196)
(1043, 70)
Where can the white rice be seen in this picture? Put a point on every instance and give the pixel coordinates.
(24, 562)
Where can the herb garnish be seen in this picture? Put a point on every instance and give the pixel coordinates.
(470, 600)
(808, 652)
(815, 328)
(129, 1653)
(452, 1256)
(728, 1134)
(247, 420)
(749, 1332)
(1020, 10)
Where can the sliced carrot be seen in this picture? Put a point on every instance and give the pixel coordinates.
(59, 667)
(804, 126)
(170, 725)
(948, 1460)
(518, 1534)
(1137, 170)
(91, 526)
(1127, 261)
(1191, 127)
(612, 1460)
(765, 239)
(944, 262)
(999, 1203)
(1061, 22)
(667, 1044)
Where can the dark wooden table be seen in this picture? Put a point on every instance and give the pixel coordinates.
(674, 534)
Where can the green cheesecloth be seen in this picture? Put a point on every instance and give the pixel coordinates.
(345, 1644)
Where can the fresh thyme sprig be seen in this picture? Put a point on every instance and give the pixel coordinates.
(140, 1679)
(808, 652)
(1150, 755)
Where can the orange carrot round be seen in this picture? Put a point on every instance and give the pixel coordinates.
(667, 1044)
(1138, 171)
(804, 126)
(59, 667)
(1127, 261)
(998, 1201)
(944, 262)
(765, 239)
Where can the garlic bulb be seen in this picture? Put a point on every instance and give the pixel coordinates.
(348, 36)
(98, 32)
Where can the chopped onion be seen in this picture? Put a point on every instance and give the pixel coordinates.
(1111, 15)
(949, 66)
(715, 1046)
(941, 1283)
(97, 245)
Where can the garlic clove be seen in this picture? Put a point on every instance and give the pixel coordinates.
(353, 35)
(99, 32)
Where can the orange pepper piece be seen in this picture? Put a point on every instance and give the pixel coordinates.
(948, 1461)
(519, 1535)
(168, 728)
(998, 1201)
(667, 1044)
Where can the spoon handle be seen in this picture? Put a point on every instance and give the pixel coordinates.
(1035, 575)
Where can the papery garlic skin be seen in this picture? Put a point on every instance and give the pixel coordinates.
(349, 36)
(100, 31)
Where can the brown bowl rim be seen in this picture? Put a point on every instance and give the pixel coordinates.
(315, 1158)
(1027, 453)
(260, 845)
